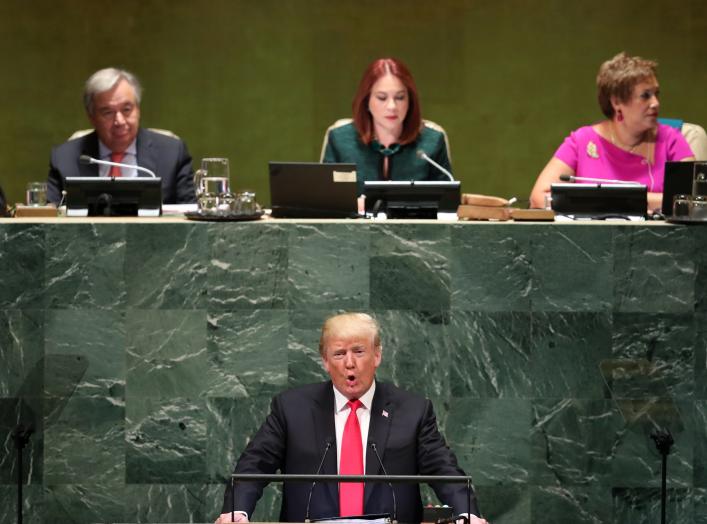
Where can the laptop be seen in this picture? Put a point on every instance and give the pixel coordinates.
(677, 181)
(313, 190)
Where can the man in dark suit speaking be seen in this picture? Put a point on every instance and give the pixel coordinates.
(112, 101)
(343, 424)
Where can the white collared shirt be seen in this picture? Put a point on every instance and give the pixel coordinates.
(129, 158)
(341, 413)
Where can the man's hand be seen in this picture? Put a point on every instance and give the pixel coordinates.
(238, 516)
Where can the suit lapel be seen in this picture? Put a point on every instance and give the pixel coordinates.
(325, 430)
(378, 430)
(89, 147)
(145, 152)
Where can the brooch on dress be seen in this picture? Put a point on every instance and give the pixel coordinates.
(592, 150)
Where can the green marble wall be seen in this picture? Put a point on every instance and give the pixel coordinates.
(146, 355)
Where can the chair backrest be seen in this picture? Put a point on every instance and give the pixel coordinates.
(84, 132)
(694, 135)
(697, 139)
(345, 121)
(325, 143)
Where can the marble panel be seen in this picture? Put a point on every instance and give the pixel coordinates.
(567, 253)
(491, 439)
(165, 441)
(699, 506)
(85, 266)
(85, 354)
(167, 503)
(700, 458)
(22, 265)
(267, 509)
(490, 355)
(567, 349)
(415, 351)
(33, 510)
(247, 266)
(700, 356)
(642, 506)
(589, 504)
(573, 442)
(699, 236)
(230, 425)
(25, 412)
(654, 270)
(166, 353)
(86, 440)
(509, 504)
(491, 268)
(637, 462)
(328, 266)
(247, 352)
(410, 267)
(654, 355)
(21, 352)
(84, 503)
(304, 361)
(167, 266)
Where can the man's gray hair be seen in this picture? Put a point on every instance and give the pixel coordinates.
(104, 80)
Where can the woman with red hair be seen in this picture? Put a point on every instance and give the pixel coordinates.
(387, 130)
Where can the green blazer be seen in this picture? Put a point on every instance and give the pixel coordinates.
(342, 144)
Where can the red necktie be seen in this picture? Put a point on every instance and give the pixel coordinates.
(116, 157)
(351, 493)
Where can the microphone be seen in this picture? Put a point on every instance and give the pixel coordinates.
(423, 156)
(87, 160)
(395, 506)
(311, 489)
(572, 178)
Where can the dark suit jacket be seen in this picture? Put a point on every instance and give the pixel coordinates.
(167, 157)
(293, 440)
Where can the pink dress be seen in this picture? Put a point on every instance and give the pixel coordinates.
(591, 155)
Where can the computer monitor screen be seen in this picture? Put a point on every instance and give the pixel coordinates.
(107, 196)
(599, 200)
(412, 199)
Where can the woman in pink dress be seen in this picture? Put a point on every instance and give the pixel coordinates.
(630, 145)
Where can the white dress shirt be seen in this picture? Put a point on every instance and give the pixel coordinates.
(129, 158)
(341, 413)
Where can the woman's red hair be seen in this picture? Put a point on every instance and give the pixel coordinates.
(362, 117)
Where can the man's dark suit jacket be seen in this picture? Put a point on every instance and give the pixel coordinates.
(166, 156)
(294, 437)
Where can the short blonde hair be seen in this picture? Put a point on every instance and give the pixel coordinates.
(617, 78)
(349, 325)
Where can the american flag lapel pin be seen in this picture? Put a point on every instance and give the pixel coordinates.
(385, 413)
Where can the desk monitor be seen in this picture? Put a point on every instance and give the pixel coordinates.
(599, 200)
(677, 181)
(108, 196)
(412, 199)
(313, 190)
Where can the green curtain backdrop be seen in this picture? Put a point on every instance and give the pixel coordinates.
(261, 80)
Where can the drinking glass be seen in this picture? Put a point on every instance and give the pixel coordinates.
(36, 194)
(212, 181)
(699, 179)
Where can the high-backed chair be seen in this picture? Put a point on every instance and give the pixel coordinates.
(693, 133)
(84, 132)
(345, 121)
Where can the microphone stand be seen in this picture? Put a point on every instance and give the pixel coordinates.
(20, 436)
(663, 441)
